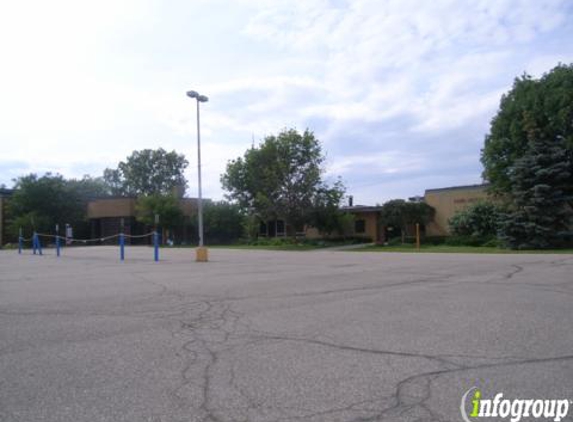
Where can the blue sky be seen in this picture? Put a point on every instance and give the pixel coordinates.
(400, 93)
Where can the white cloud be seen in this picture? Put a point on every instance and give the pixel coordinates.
(385, 85)
(384, 162)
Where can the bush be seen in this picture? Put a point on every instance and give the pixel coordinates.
(479, 220)
(394, 241)
(411, 240)
(269, 241)
(493, 243)
(434, 240)
(290, 241)
(469, 241)
(352, 240)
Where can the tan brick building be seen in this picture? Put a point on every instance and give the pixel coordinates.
(365, 225)
(448, 201)
(106, 215)
(445, 201)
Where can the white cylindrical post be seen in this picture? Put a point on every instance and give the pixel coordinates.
(200, 199)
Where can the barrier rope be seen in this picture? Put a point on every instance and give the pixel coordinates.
(71, 239)
(37, 245)
(138, 236)
(94, 239)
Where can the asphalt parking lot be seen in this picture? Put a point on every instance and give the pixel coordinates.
(279, 336)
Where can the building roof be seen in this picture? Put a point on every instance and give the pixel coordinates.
(362, 208)
(466, 187)
(6, 192)
(125, 206)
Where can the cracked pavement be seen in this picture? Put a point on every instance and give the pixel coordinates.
(257, 336)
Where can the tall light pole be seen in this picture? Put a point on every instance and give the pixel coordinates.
(201, 251)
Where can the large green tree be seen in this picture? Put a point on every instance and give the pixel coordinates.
(540, 215)
(400, 213)
(278, 179)
(148, 172)
(528, 158)
(547, 104)
(167, 207)
(224, 222)
(89, 187)
(325, 213)
(40, 202)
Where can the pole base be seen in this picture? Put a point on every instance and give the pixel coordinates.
(201, 254)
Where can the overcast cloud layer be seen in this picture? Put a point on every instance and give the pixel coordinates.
(400, 92)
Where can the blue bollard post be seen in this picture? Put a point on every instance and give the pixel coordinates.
(121, 246)
(39, 244)
(156, 246)
(57, 242)
(156, 239)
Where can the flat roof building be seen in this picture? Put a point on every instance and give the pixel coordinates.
(448, 201)
(106, 215)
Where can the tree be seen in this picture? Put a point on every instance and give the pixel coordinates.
(224, 222)
(399, 213)
(148, 172)
(39, 203)
(278, 179)
(166, 206)
(540, 215)
(88, 188)
(419, 213)
(547, 104)
(251, 226)
(527, 158)
(325, 213)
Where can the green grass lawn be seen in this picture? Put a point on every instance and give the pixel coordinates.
(458, 249)
(279, 246)
(302, 246)
(286, 247)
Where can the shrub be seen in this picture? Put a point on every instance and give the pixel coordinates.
(493, 243)
(479, 220)
(434, 240)
(395, 241)
(468, 240)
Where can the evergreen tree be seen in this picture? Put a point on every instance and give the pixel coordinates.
(527, 159)
(540, 215)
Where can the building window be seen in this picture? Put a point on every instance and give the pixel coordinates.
(359, 226)
(299, 229)
(280, 228)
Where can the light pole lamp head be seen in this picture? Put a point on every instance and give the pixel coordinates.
(192, 94)
(202, 98)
